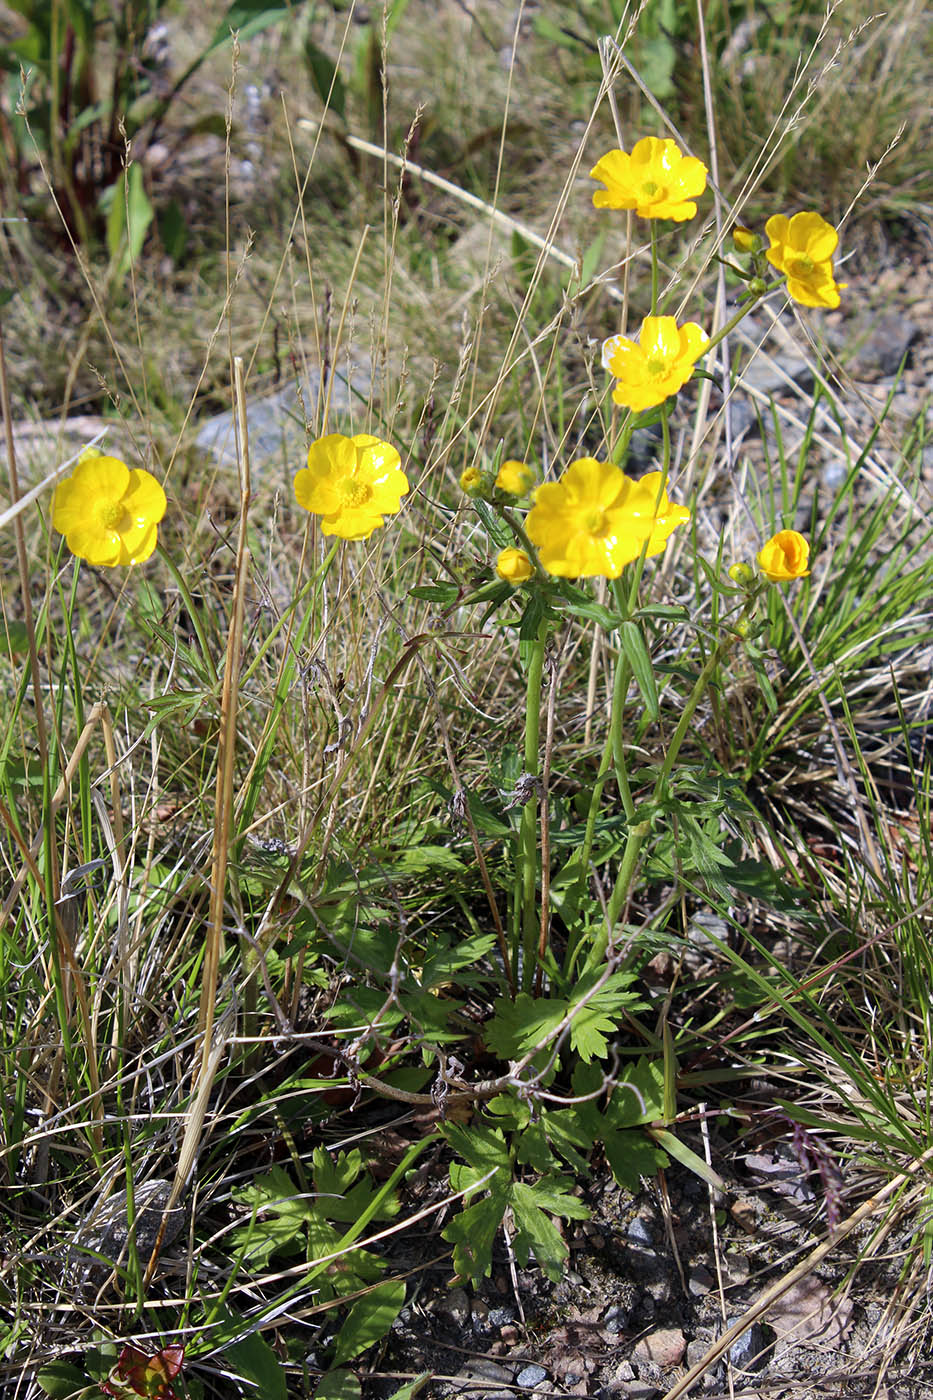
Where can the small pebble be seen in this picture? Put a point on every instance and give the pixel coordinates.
(750, 1351)
(639, 1233)
(530, 1376)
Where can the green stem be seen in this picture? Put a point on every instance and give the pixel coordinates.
(193, 612)
(613, 755)
(528, 829)
(654, 268)
(636, 837)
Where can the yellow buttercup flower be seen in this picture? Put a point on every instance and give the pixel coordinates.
(785, 556)
(108, 512)
(657, 180)
(471, 481)
(351, 483)
(514, 477)
(802, 247)
(655, 366)
(595, 520)
(514, 566)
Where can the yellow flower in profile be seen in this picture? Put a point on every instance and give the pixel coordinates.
(655, 366)
(514, 477)
(657, 180)
(595, 520)
(785, 556)
(351, 483)
(108, 512)
(471, 481)
(802, 247)
(745, 239)
(514, 566)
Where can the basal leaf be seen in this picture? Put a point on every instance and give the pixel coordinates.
(472, 1234)
(482, 1147)
(369, 1319)
(255, 1361)
(535, 1231)
(338, 1385)
(519, 1025)
(632, 1155)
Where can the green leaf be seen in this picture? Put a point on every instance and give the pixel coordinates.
(130, 214)
(255, 1361)
(687, 1157)
(483, 1148)
(408, 1392)
(446, 963)
(534, 1228)
(444, 593)
(173, 231)
(248, 17)
(65, 1382)
(369, 1319)
(339, 1385)
(325, 76)
(600, 1014)
(632, 1155)
(519, 1025)
(633, 644)
(472, 1233)
(532, 1149)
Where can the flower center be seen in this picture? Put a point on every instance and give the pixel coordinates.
(353, 493)
(596, 521)
(112, 516)
(801, 265)
(657, 366)
(650, 188)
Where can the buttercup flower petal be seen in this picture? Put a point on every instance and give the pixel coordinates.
(595, 520)
(802, 247)
(657, 365)
(108, 514)
(657, 180)
(514, 477)
(471, 480)
(351, 483)
(514, 566)
(784, 557)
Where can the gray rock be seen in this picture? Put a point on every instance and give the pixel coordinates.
(530, 1376)
(455, 1305)
(882, 344)
(639, 1233)
(277, 436)
(482, 1369)
(501, 1317)
(105, 1230)
(769, 373)
(615, 1319)
(750, 1351)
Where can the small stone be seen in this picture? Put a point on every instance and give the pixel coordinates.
(701, 1281)
(530, 1376)
(745, 1213)
(484, 1370)
(750, 1351)
(885, 343)
(500, 1317)
(639, 1233)
(665, 1347)
(615, 1318)
(455, 1304)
